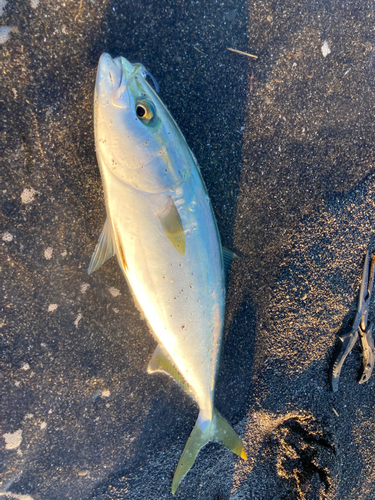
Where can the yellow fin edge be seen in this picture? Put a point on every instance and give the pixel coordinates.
(218, 430)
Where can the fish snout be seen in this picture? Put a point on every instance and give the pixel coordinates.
(108, 76)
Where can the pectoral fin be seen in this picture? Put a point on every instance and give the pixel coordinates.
(172, 225)
(104, 250)
(228, 258)
(162, 362)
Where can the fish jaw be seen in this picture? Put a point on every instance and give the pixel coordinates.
(108, 76)
(111, 75)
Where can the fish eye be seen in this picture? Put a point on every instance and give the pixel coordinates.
(141, 111)
(144, 110)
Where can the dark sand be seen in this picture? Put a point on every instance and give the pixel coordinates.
(288, 159)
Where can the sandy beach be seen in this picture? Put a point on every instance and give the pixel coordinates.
(286, 146)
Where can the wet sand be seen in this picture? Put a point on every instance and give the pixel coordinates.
(286, 148)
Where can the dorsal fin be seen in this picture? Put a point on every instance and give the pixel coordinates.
(162, 362)
(104, 250)
(172, 225)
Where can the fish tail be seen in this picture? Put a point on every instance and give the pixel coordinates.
(217, 430)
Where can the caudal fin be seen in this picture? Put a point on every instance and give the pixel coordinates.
(218, 430)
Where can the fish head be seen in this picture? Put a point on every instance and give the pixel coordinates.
(136, 138)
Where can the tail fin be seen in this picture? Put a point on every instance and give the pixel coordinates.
(217, 430)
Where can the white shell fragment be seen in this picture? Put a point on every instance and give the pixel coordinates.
(4, 34)
(48, 253)
(77, 320)
(84, 287)
(2, 6)
(28, 195)
(7, 236)
(12, 441)
(325, 49)
(114, 291)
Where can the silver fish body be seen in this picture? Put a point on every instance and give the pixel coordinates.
(161, 227)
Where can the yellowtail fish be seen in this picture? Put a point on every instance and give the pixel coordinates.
(161, 227)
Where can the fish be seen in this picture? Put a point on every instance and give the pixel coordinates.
(161, 227)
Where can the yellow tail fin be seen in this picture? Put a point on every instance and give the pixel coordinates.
(217, 430)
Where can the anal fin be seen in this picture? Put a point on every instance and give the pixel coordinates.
(104, 250)
(162, 362)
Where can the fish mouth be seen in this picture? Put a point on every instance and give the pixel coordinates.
(114, 78)
(109, 69)
(121, 72)
(127, 69)
(112, 81)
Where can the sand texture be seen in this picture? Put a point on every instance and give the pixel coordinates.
(286, 145)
